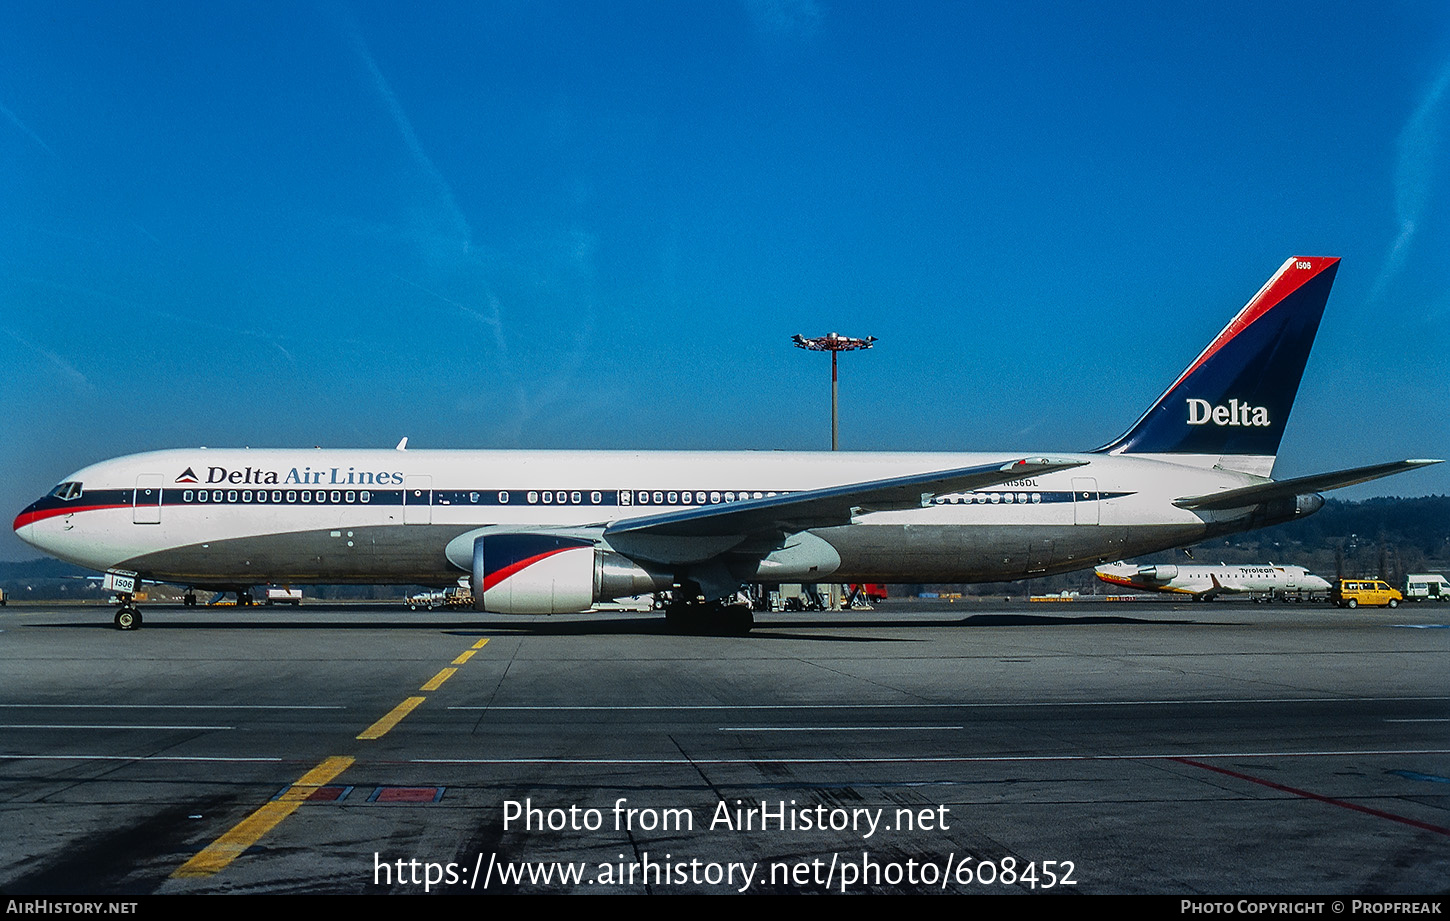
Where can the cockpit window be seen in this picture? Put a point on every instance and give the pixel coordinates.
(71, 490)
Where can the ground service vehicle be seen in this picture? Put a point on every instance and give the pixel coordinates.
(1351, 593)
(452, 597)
(1427, 586)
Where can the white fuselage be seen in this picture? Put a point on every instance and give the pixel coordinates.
(220, 517)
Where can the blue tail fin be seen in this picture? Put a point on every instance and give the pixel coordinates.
(1230, 406)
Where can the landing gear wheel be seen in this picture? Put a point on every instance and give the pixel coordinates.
(737, 620)
(709, 619)
(675, 619)
(128, 619)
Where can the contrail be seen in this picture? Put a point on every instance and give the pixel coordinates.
(68, 370)
(452, 215)
(1416, 157)
(25, 129)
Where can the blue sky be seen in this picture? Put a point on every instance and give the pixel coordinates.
(597, 224)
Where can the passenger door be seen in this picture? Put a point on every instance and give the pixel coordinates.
(418, 500)
(146, 502)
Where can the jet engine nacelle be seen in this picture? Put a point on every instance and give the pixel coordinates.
(551, 574)
(1159, 573)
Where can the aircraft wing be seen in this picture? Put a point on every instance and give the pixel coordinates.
(833, 505)
(1287, 489)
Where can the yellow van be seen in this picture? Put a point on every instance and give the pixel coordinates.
(1351, 593)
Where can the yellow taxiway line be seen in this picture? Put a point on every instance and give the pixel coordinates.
(221, 852)
(246, 833)
(380, 728)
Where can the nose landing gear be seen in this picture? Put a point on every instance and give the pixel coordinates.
(128, 617)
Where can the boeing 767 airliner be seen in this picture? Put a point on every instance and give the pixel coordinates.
(539, 532)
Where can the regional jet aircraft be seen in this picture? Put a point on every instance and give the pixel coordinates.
(540, 532)
(1204, 583)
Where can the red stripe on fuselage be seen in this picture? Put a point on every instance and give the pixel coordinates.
(25, 518)
(493, 579)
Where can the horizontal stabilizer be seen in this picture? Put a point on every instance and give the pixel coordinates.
(833, 505)
(1285, 489)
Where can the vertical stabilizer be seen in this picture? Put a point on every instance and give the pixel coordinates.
(1229, 407)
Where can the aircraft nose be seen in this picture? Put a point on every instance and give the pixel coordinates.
(30, 527)
(26, 517)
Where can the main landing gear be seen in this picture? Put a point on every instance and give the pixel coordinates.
(709, 619)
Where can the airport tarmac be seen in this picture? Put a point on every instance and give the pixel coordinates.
(1196, 749)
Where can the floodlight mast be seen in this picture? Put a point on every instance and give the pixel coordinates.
(833, 343)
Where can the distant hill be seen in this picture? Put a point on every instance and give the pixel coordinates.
(43, 568)
(1422, 524)
(48, 580)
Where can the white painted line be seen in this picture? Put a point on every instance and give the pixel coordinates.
(686, 762)
(979, 759)
(947, 705)
(183, 758)
(835, 728)
(101, 726)
(4, 706)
